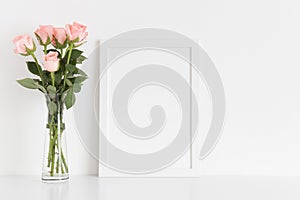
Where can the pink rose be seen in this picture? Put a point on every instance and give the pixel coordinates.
(76, 33)
(44, 34)
(59, 36)
(51, 61)
(24, 45)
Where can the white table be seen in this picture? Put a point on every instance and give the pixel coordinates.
(206, 188)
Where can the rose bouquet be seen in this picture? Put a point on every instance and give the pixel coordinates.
(58, 78)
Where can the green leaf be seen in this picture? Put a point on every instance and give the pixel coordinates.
(64, 94)
(71, 76)
(33, 68)
(69, 83)
(70, 99)
(58, 77)
(42, 88)
(52, 107)
(81, 72)
(80, 59)
(75, 54)
(46, 77)
(80, 79)
(28, 83)
(76, 88)
(51, 91)
(51, 88)
(70, 67)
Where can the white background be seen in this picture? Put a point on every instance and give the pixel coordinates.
(255, 46)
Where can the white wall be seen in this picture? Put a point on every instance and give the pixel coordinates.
(254, 44)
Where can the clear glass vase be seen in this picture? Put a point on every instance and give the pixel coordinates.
(55, 160)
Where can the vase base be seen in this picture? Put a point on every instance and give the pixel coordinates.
(55, 179)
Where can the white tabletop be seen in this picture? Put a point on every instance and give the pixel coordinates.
(206, 188)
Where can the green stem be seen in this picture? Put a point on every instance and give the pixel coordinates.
(53, 153)
(52, 161)
(64, 161)
(53, 78)
(68, 61)
(70, 52)
(57, 165)
(45, 49)
(38, 67)
(62, 53)
(62, 169)
(49, 151)
(51, 141)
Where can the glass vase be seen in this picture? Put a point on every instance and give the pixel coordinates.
(55, 160)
